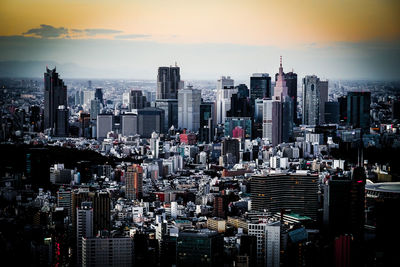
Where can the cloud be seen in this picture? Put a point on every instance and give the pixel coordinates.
(93, 32)
(132, 36)
(47, 31)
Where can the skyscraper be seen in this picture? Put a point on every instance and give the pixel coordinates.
(315, 94)
(104, 125)
(55, 95)
(62, 124)
(84, 227)
(189, 101)
(137, 100)
(358, 107)
(94, 108)
(150, 120)
(260, 86)
(134, 182)
(207, 112)
(225, 90)
(272, 121)
(129, 124)
(170, 108)
(168, 82)
(99, 95)
(281, 93)
(291, 83)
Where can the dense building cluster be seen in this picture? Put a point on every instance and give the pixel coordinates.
(141, 173)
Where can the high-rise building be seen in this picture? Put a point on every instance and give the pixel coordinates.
(358, 107)
(199, 248)
(62, 125)
(137, 100)
(242, 91)
(170, 108)
(189, 101)
(84, 227)
(98, 94)
(134, 182)
(273, 247)
(168, 82)
(240, 107)
(64, 200)
(315, 94)
(296, 192)
(272, 121)
(225, 90)
(291, 84)
(207, 114)
(260, 86)
(55, 95)
(129, 124)
(281, 93)
(94, 108)
(104, 125)
(332, 112)
(342, 109)
(107, 251)
(150, 120)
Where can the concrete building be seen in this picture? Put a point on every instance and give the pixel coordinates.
(104, 125)
(315, 94)
(84, 227)
(189, 101)
(272, 121)
(225, 90)
(129, 124)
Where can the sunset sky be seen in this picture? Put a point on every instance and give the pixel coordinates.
(342, 39)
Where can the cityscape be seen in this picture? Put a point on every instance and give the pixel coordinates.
(168, 163)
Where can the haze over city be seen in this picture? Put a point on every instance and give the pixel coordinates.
(130, 39)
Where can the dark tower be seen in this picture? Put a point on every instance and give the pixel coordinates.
(55, 95)
(168, 82)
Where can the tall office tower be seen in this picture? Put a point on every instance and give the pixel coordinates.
(55, 95)
(88, 95)
(291, 83)
(99, 95)
(240, 107)
(207, 114)
(78, 97)
(94, 108)
(342, 109)
(104, 125)
(297, 192)
(129, 124)
(137, 100)
(272, 121)
(150, 120)
(62, 125)
(199, 248)
(281, 94)
(64, 200)
(189, 101)
(84, 227)
(225, 90)
(168, 82)
(170, 108)
(89, 84)
(260, 86)
(107, 251)
(358, 107)
(242, 91)
(231, 146)
(332, 112)
(134, 182)
(357, 202)
(220, 206)
(273, 248)
(315, 94)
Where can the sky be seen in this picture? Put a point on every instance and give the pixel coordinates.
(130, 39)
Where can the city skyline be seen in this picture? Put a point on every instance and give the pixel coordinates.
(237, 38)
